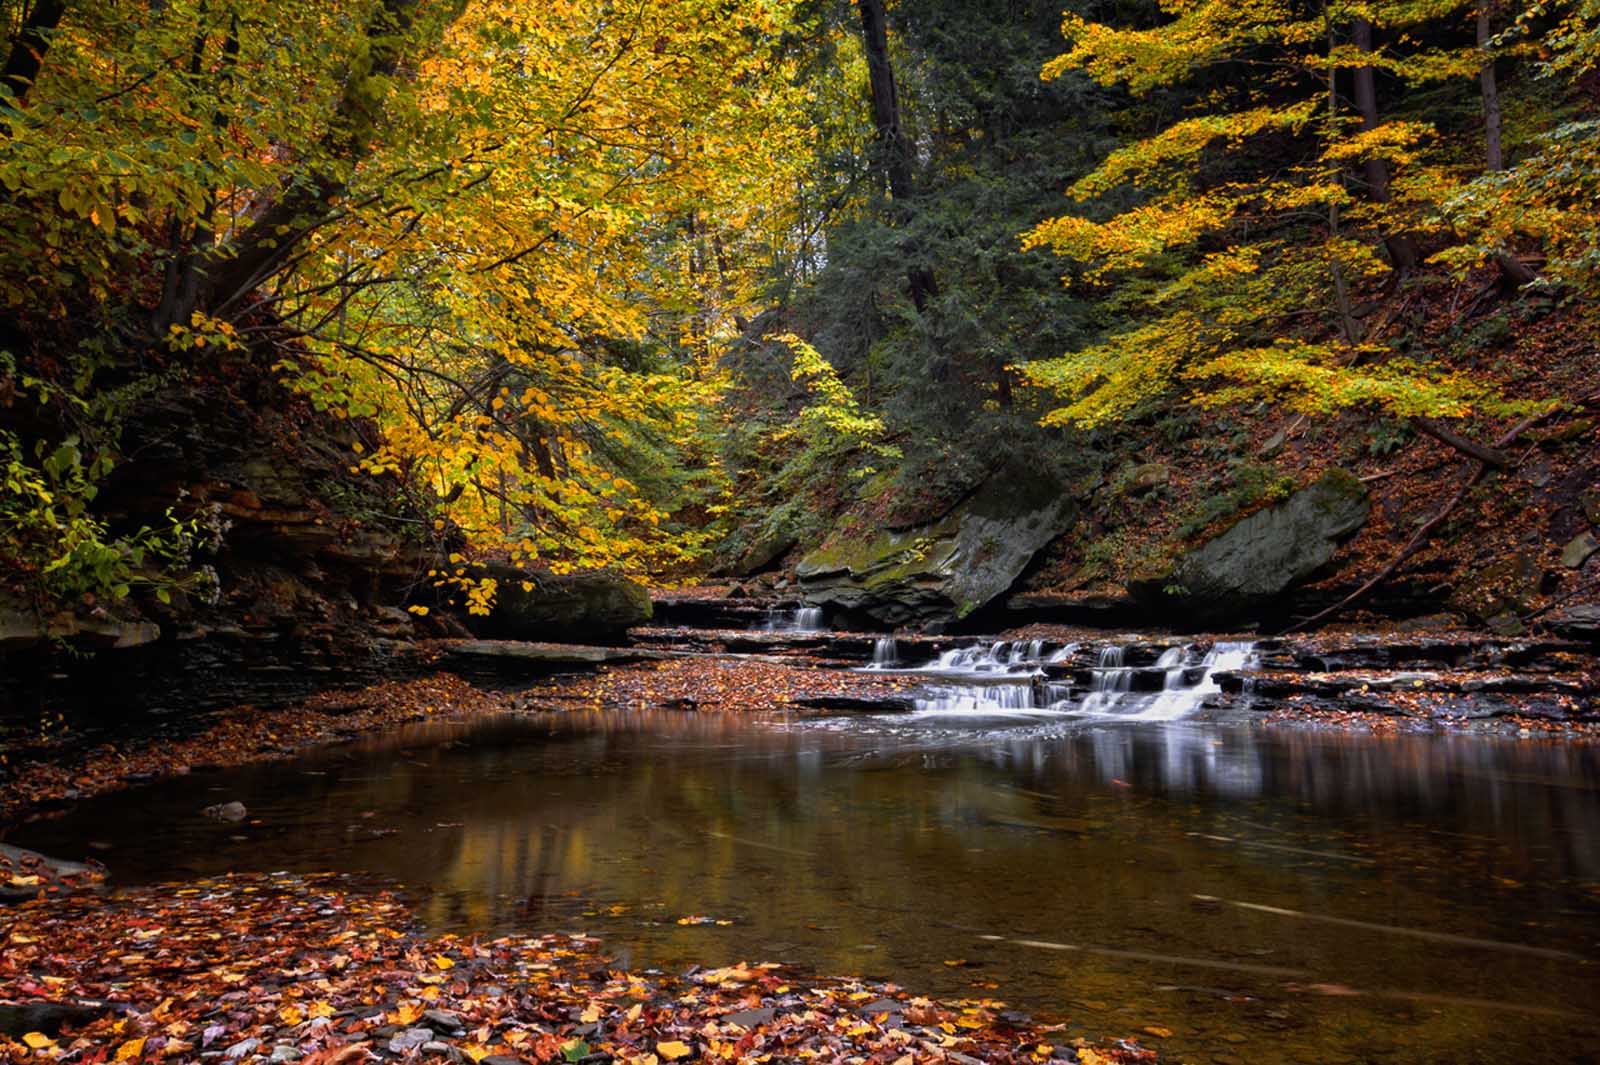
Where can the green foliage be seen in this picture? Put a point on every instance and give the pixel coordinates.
(62, 551)
(1249, 484)
(1237, 234)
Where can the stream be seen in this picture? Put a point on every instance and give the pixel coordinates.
(1222, 891)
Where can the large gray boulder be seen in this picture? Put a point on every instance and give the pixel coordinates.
(568, 607)
(944, 570)
(1262, 556)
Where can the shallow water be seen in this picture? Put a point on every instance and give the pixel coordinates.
(1265, 895)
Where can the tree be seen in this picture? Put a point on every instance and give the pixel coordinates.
(459, 220)
(1236, 265)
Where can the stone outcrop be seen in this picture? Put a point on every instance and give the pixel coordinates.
(569, 607)
(944, 570)
(1262, 556)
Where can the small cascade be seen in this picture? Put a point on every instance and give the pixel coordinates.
(801, 619)
(1109, 681)
(885, 653)
(1181, 693)
(1004, 656)
(1011, 681)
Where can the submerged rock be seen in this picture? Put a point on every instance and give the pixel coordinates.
(591, 605)
(943, 570)
(226, 811)
(1265, 554)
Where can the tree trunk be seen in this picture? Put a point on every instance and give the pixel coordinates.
(1402, 247)
(1494, 158)
(893, 147)
(29, 46)
(894, 150)
(268, 243)
(1512, 269)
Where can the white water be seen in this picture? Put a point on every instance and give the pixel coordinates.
(803, 619)
(1111, 683)
(1021, 657)
(885, 653)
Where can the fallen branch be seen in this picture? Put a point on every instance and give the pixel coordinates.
(1445, 435)
(1420, 537)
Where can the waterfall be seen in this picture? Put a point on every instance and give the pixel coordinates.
(1178, 700)
(1165, 691)
(1003, 656)
(1109, 681)
(885, 653)
(803, 619)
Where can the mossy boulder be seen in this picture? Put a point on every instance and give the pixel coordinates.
(1262, 556)
(1506, 588)
(567, 607)
(945, 569)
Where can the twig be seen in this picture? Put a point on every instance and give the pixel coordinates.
(1420, 537)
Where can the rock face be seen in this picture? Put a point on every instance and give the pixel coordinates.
(944, 570)
(569, 607)
(1259, 558)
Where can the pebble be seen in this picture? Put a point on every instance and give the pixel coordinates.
(434, 1046)
(442, 1019)
(410, 1039)
(283, 1052)
(226, 811)
(241, 1048)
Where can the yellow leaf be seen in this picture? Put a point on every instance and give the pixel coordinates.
(321, 1009)
(672, 1050)
(590, 1015)
(406, 1014)
(1158, 1031)
(131, 1049)
(38, 1040)
(291, 1015)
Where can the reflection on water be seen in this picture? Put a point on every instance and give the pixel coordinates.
(1272, 896)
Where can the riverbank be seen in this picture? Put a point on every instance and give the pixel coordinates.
(1354, 680)
(326, 971)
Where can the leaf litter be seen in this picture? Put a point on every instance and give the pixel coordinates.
(325, 970)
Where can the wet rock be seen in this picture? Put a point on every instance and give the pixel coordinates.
(436, 1048)
(1578, 550)
(1261, 556)
(1580, 622)
(17, 1019)
(943, 570)
(227, 811)
(533, 605)
(25, 874)
(409, 1039)
(283, 1052)
(442, 1020)
(751, 1019)
(888, 704)
(514, 658)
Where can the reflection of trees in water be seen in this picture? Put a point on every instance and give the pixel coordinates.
(695, 812)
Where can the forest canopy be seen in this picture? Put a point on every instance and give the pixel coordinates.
(639, 284)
